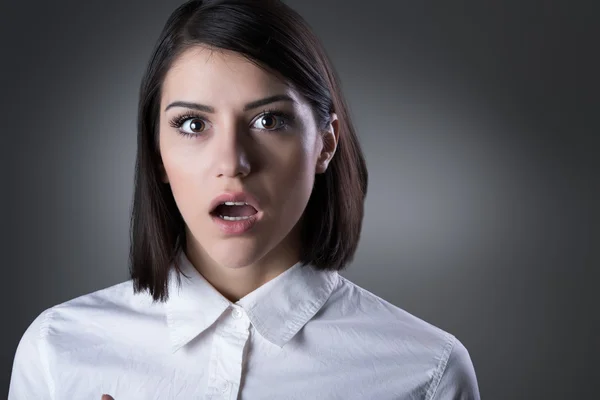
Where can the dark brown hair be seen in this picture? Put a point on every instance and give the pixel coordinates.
(273, 36)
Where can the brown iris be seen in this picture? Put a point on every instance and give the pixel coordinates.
(197, 125)
(269, 122)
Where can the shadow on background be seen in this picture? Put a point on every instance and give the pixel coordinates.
(479, 123)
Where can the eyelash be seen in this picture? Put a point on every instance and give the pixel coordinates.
(178, 121)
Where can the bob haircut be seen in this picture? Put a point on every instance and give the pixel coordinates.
(276, 38)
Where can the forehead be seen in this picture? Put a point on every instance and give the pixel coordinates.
(220, 76)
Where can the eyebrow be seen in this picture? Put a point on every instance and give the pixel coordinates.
(247, 107)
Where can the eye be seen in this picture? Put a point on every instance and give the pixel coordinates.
(270, 121)
(193, 126)
(190, 124)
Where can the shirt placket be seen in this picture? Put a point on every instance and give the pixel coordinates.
(227, 355)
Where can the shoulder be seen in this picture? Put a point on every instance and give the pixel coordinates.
(370, 310)
(88, 319)
(74, 325)
(427, 353)
(456, 378)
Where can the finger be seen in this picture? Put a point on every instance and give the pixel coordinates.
(107, 397)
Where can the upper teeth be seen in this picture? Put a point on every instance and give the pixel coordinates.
(235, 203)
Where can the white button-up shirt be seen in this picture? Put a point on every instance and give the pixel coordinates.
(305, 334)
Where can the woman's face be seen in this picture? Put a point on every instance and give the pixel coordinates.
(229, 127)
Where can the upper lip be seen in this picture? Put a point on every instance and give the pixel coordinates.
(235, 197)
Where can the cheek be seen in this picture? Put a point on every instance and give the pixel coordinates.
(184, 174)
(180, 157)
(293, 157)
(291, 170)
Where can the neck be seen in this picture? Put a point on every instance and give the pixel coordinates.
(235, 282)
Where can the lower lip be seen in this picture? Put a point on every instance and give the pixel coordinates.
(235, 227)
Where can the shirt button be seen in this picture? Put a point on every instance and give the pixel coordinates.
(237, 314)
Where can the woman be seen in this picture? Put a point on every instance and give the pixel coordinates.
(250, 183)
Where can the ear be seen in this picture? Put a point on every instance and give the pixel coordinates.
(330, 138)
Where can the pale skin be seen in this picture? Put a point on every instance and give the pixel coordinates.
(236, 147)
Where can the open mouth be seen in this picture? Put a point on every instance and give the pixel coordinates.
(234, 211)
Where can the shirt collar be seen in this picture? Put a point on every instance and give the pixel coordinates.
(278, 309)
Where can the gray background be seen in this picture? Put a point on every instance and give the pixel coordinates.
(478, 121)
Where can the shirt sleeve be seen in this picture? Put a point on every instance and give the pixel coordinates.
(30, 377)
(458, 381)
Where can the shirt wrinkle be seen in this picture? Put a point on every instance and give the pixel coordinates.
(306, 334)
(441, 367)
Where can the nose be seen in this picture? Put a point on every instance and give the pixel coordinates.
(232, 154)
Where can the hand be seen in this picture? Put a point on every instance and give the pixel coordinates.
(107, 397)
